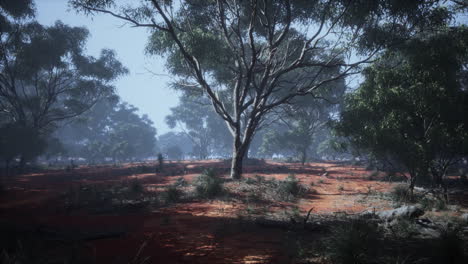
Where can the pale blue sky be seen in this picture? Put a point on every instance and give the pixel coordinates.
(149, 93)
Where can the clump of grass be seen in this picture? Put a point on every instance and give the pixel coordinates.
(373, 176)
(433, 203)
(249, 181)
(321, 181)
(289, 188)
(208, 185)
(400, 194)
(135, 186)
(341, 188)
(181, 182)
(357, 241)
(172, 194)
(259, 178)
(404, 228)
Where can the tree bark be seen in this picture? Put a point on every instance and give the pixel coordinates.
(304, 156)
(240, 149)
(236, 165)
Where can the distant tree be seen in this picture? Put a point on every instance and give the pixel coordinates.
(301, 121)
(197, 120)
(243, 54)
(412, 108)
(111, 130)
(16, 140)
(174, 152)
(179, 139)
(45, 77)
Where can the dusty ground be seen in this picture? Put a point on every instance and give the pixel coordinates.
(199, 231)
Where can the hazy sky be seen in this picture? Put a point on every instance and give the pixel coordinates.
(141, 88)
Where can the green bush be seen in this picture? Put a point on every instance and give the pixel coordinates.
(259, 178)
(289, 188)
(433, 203)
(250, 181)
(208, 185)
(373, 176)
(135, 186)
(181, 182)
(400, 193)
(356, 241)
(172, 194)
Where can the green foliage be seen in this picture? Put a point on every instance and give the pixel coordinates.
(135, 186)
(204, 127)
(111, 130)
(171, 194)
(289, 188)
(181, 182)
(404, 228)
(356, 241)
(400, 193)
(429, 203)
(411, 108)
(20, 141)
(208, 185)
(50, 79)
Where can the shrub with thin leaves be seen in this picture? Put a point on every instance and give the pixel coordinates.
(356, 241)
(400, 193)
(172, 194)
(181, 182)
(289, 188)
(208, 185)
(135, 186)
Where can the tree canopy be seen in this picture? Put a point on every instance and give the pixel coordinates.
(243, 54)
(412, 107)
(45, 77)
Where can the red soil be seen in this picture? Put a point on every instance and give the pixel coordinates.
(197, 232)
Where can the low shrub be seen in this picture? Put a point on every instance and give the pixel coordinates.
(181, 182)
(289, 188)
(259, 178)
(356, 241)
(135, 186)
(250, 181)
(172, 194)
(429, 203)
(403, 228)
(374, 175)
(400, 193)
(208, 185)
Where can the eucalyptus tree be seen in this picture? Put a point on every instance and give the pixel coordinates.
(45, 77)
(242, 55)
(110, 130)
(412, 107)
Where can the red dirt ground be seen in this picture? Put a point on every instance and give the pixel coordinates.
(196, 232)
